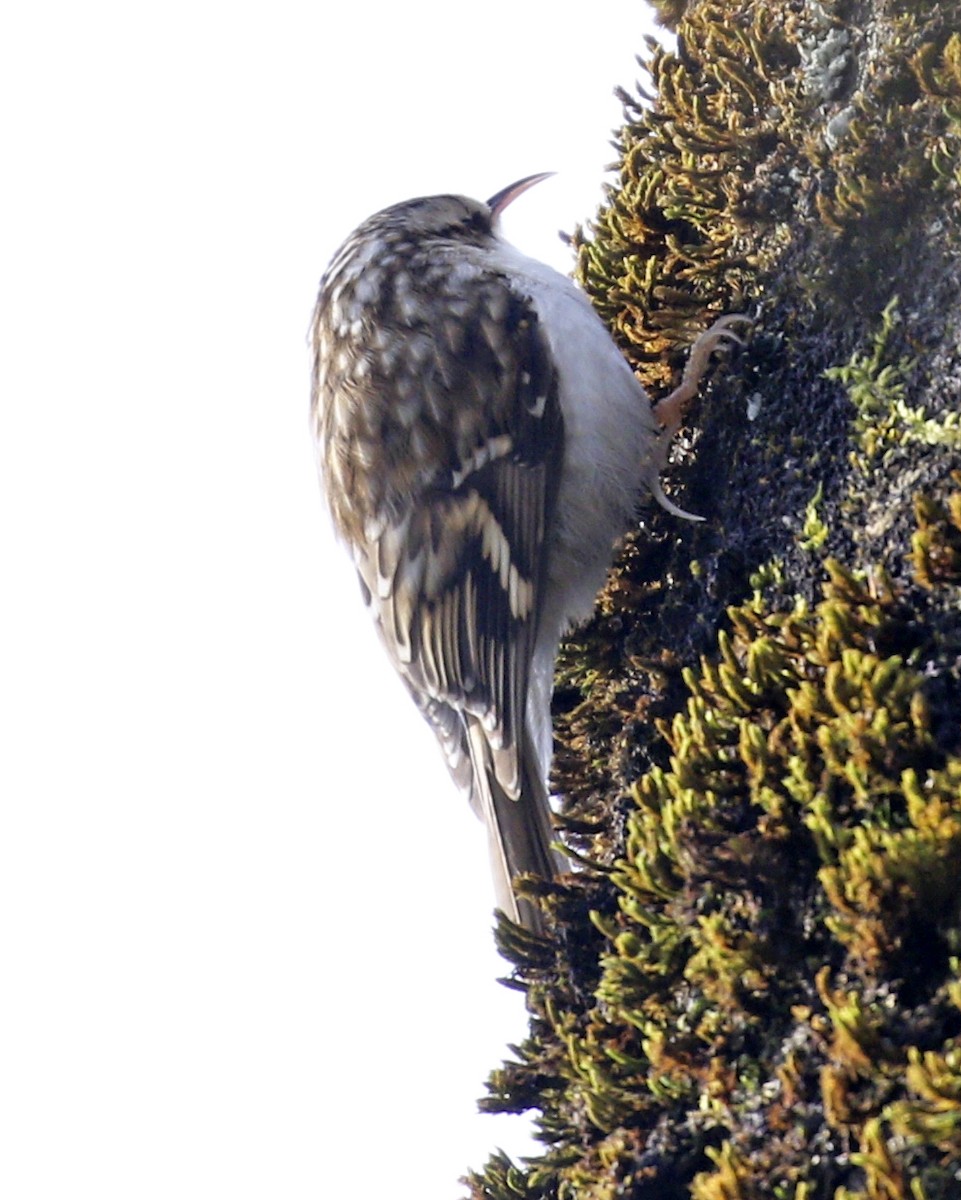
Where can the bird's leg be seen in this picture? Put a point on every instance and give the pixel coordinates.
(670, 411)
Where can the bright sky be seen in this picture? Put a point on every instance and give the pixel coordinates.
(244, 918)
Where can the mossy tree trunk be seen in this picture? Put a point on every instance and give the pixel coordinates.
(754, 987)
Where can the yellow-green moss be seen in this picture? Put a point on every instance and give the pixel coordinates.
(936, 545)
(879, 390)
(776, 124)
(814, 532)
(762, 974)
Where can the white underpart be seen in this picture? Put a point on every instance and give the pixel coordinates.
(610, 436)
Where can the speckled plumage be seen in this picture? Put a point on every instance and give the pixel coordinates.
(481, 446)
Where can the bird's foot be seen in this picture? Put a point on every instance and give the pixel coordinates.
(670, 411)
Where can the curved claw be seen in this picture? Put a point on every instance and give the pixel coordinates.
(669, 412)
(667, 504)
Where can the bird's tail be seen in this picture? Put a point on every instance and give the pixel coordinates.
(519, 830)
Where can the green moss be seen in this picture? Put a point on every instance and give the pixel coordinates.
(878, 389)
(762, 976)
(814, 532)
(936, 545)
(775, 125)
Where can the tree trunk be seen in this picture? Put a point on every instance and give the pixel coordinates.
(753, 985)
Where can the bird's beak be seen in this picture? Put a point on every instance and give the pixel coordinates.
(500, 201)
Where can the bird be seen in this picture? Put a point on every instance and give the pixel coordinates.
(482, 443)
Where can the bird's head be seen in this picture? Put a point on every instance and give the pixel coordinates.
(446, 217)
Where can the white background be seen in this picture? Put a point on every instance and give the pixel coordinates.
(244, 919)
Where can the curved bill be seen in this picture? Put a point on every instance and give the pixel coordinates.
(498, 202)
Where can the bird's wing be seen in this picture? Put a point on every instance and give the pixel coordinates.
(454, 575)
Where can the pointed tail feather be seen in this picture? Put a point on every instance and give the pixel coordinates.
(519, 830)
